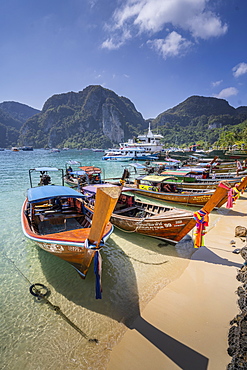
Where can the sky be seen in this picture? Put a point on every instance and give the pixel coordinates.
(156, 53)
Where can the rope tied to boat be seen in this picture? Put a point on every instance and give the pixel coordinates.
(41, 292)
(202, 220)
(97, 267)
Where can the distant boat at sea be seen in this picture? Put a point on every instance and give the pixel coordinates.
(26, 148)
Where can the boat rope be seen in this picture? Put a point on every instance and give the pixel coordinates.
(41, 292)
(136, 228)
(20, 272)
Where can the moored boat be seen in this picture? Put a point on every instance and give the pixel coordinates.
(27, 148)
(154, 186)
(158, 221)
(150, 143)
(127, 154)
(58, 220)
(84, 175)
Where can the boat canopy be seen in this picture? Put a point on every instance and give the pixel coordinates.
(78, 173)
(93, 188)
(184, 172)
(41, 193)
(39, 169)
(156, 178)
(138, 166)
(176, 172)
(194, 169)
(90, 170)
(71, 161)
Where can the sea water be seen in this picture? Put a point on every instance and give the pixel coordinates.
(135, 268)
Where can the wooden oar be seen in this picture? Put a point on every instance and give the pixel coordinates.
(105, 202)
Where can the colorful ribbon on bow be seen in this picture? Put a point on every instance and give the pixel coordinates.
(236, 193)
(202, 220)
(233, 194)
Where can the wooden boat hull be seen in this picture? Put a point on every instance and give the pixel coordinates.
(158, 221)
(200, 185)
(158, 195)
(166, 226)
(67, 245)
(190, 198)
(71, 182)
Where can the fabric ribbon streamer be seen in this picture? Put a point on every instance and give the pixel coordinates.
(202, 220)
(229, 203)
(236, 194)
(233, 194)
(98, 272)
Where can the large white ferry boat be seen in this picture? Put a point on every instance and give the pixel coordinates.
(128, 154)
(149, 142)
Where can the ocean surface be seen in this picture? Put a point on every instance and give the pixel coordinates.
(135, 268)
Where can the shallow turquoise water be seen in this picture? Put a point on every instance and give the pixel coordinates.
(135, 268)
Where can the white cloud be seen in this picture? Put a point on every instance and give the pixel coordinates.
(152, 16)
(206, 25)
(116, 42)
(239, 69)
(173, 45)
(226, 93)
(111, 44)
(216, 83)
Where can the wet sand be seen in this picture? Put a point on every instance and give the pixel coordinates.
(186, 325)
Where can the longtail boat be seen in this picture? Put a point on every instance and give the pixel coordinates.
(158, 221)
(82, 176)
(182, 185)
(60, 222)
(202, 174)
(155, 186)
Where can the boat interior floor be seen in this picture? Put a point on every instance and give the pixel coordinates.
(51, 227)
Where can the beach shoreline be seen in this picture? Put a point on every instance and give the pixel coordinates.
(186, 325)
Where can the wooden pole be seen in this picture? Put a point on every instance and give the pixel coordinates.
(105, 202)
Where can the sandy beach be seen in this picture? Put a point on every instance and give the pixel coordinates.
(186, 325)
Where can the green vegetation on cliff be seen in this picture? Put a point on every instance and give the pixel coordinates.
(200, 119)
(94, 117)
(98, 118)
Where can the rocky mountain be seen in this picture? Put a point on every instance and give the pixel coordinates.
(17, 111)
(199, 118)
(94, 117)
(98, 117)
(199, 106)
(12, 117)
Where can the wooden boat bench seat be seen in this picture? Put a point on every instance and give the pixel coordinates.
(57, 216)
(148, 211)
(123, 210)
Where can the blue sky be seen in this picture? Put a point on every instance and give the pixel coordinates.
(157, 53)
